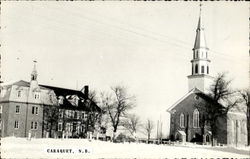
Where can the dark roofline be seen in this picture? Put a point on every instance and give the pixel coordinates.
(65, 91)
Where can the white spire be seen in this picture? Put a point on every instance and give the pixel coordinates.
(199, 77)
(200, 40)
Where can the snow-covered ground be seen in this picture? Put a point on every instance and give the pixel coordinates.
(12, 147)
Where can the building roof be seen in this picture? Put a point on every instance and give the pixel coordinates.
(20, 83)
(194, 90)
(65, 91)
(182, 133)
(84, 103)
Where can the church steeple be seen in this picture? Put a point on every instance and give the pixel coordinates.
(200, 63)
(200, 40)
(34, 72)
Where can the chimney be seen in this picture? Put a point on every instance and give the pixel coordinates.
(86, 91)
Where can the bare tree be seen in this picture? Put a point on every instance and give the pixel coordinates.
(93, 121)
(132, 123)
(219, 101)
(117, 104)
(246, 97)
(50, 119)
(148, 127)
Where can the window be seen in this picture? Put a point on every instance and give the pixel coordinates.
(17, 109)
(50, 97)
(196, 118)
(18, 93)
(206, 54)
(192, 69)
(202, 69)
(1, 109)
(60, 100)
(34, 110)
(76, 115)
(196, 97)
(16, 126)
(59, 126)
(60, 113)
(207, 70)
(196, 68)
(82, 115)
(85, 116)
(182, 120)
(35, 125)
(233, 129)
(238, 124)
(37, 95)
(196, 54)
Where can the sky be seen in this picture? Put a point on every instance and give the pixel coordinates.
(145, 46)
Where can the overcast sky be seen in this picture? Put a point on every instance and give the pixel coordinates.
(146, 46)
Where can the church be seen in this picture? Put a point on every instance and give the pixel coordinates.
(186, 118)
(29, 109)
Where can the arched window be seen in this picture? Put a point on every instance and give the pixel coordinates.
(233, 131)
(202, 69)
(238, 124)
(207, 70)
(196, 68)
(182, 120)
(196, 118)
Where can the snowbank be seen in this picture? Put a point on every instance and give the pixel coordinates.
(82, 148)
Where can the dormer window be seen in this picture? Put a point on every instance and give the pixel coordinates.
(37, 95)
(75, 100)
(60, 100)
(18, 93)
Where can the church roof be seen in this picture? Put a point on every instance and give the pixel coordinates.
(194, 90)
(200, 40)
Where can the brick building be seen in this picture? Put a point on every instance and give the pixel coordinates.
(27, 108)
(186, 117)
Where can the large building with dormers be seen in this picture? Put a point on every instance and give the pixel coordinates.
(186, 123)
(29, 109)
